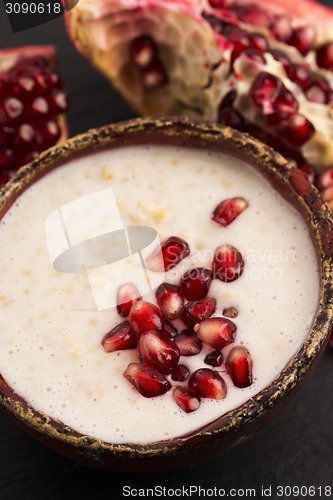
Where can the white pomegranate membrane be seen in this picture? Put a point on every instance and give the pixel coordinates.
(50, 348)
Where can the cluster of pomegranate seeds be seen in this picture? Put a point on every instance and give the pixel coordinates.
(325, 183)
(31, 100)
(144, 55)
(182, 324)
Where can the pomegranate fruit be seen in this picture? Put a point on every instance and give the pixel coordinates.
(32, 106)
(262, 67)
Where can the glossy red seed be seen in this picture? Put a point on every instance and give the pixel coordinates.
(119, 338)
(47, 135)
(239, 366)
(5, 85)
(145, 317)
(318, 90)
(25, 136)
(170, 301)
(264, 91)
(281, 28)
(58, 102)
(253, 55)
(228, 263)
(148, 381)
(219, 4)
(39, 110)
(326, 178)
(187, 400)
(195, 283)
(207, 383)
(299, 74)
(285, 105)
(230, 312)
(216, 332)
(324, 56)
(42, 84)
(298, 130)
(188, 342)
(180, 373)
(231, 118)
(302, 39)
(168, 256)
(159, 352)
(228, 99)
(258, 42)
(143, 51)
(328, 194)
(153, 76)
(214, 358)
(227, 210)
(127, 294)
(196, 311)
(11, 110)
(239, 38)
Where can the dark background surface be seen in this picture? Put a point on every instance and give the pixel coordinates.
(297, 449)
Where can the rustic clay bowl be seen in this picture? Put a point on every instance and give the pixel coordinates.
(246, 420)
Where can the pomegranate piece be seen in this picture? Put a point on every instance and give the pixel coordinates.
(239, 366)
(228, 263)
(188, 343)
(227, 210)
(230, 312)
(127, 294)
(171, 252)
(159, 352)
(119, 338)
(32, 104)
(207, 383)
(195, 283)
(180, 373)
(214, 358)
(216, 332)
(324, 56)
(148, 381)
(185, 399)
(198, 310)
(170, 301)
(145, 317)
(224, 70)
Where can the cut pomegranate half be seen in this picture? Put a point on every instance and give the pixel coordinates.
(275, 59)
(32, 106)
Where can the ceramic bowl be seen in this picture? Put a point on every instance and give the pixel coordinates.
(240, 423)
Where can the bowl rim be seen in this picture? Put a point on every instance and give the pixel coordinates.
(285, 177)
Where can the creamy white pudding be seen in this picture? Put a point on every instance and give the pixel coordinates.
(51, 330)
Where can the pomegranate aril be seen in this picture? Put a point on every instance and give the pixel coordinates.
(187, 400)
(258, 42)
(24, 137)
(119, 338)
(145, 317)
(5, 85)
(207, 383)
(153, 76)
(251, 14)
(148, 381)
(219, 4)
(299, 74)
(214, 358)
(239, 366)
(196, 311)
(38, 111)
(230, 312)
(170, 301)
(302, 39)
(47, 135)
(195, 283)
(42, 83)
(168, 256)
(127, 294)
(227, 210)
(324, 56)
(188, 343)
(159, 352)
(285, 105)
(326, 178)
(318, 90)
(180, 373)
(231, 117)
(228, 263)
(281, 28)
(254, 55)
(264, 91)
(298, 130)
(328, 194)
(216, 332)
(143, 51)
(58, 102)
(11, 109)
